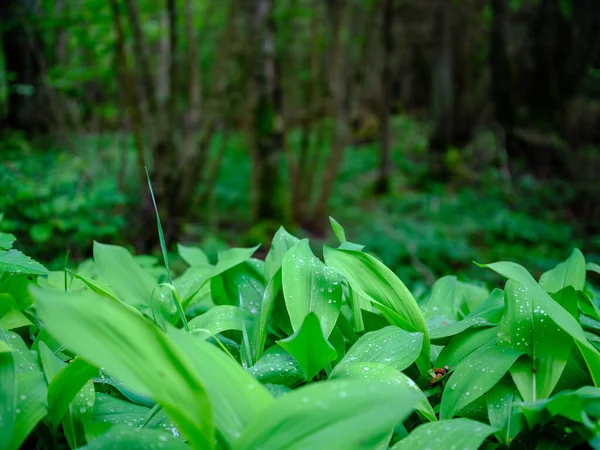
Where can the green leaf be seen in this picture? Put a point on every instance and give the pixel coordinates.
(8, 392)
(391, 346)
(488, 313)
(310, 286)
(126, 438)
(527, 328)
(218, 319)
(108, 335)
(235, 396)
(475, 376)
(381, 373)
(555, 312)
(192, 255)
(373, 280)
(259, 331)
(66, 384)
(282, 242)
(276, 366)
(441, 303)
(465, 434)
(349, 415)
(14, 261)
(113, 410)
(31, 405)
(568, 273)
(338, 230)
(11, 316)
(6, 241)
(128, 281)
(232, 257)
(504, 412)
(463, 344)
(309, 347)
(569, 404)
(593, 267)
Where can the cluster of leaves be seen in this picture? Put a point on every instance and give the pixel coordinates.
(51, 196)
(293, 352)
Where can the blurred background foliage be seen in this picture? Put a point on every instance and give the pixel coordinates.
(437, 132)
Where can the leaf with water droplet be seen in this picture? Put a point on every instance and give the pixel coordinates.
(391, 346)
(464, 434)
(309, 347)
(495, 358)
(344, 414)
(303, 276)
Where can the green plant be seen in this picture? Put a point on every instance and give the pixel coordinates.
(294, 352)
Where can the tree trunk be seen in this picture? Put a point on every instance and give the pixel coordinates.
(442, 92)
(338, 110)
(382, 186)
(264, 140)
(20, 61)
(501, 74)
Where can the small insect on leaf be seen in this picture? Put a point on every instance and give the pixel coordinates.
(439, 373)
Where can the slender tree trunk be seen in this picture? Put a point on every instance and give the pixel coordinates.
(264, 142)
(501, 73)
(338, 110)
(442, 91)
(382, 185)
(19, 58)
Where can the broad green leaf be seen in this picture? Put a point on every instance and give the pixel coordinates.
(504, 412)
(192, 282)
(11, 316)
(373, 280)
(469, 297)
(488, 313)
(6, 241)
(259, 330)
(441, 303)
(475, 376)
(349, 415)
(235, 396)
(123, 437)
(555, 312)
(232, 257)
(8, 392)
(66, 384)
(338, 230)
(310, 286)
(391, 346)
(276, 366)
(14, 261)
(128, 281)
(193, 256)
(463, 344)
(569, 404)
(113, 410)
(218, 319)
(18, 286)
(526, 328)
(593, 267)
(464, 434)
(309, 347)
(31, 405)
(281, 243)
(381, 373)
(108, 335)
(568, 273)
(244, 286)
(131, 393)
